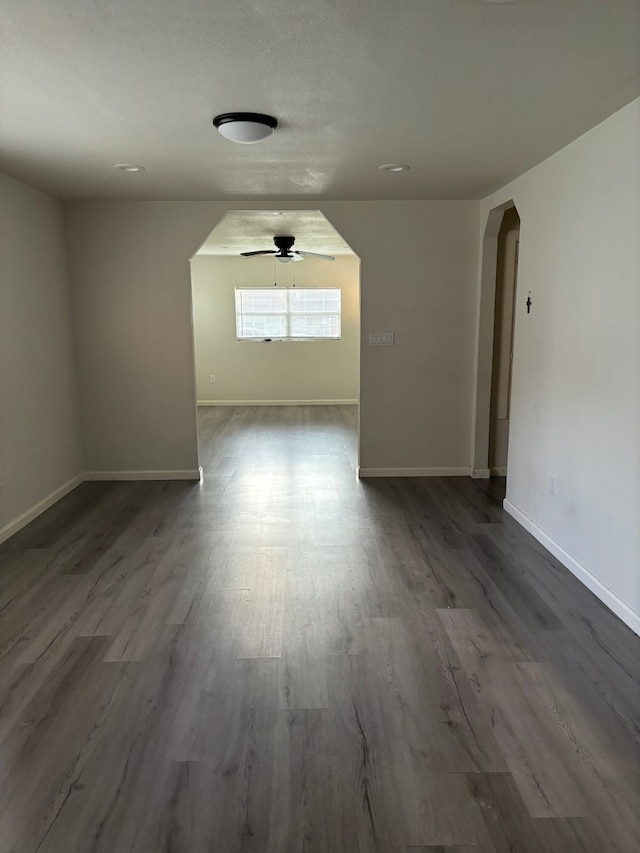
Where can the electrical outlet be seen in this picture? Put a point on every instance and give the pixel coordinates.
(212, 377)
(554, 485)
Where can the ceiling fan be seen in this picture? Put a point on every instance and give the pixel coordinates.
(284, 253)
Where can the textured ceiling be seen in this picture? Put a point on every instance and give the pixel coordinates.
(252, 230)
(469, 93)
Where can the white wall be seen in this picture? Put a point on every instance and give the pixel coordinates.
(132, 308)
(285, 371)
(575, 408)
(40, 446)
(132, 295)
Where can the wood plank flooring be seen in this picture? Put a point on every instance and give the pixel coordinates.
(284, 659)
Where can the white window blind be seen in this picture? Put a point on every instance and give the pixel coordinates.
(287, 314)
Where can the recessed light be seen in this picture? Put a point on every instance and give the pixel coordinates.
(393, 167)
(128, 167)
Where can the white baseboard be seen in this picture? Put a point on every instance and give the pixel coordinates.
(519, 516)
(480, 473)
(38, 508)
(606, 595)
(278, 402)
(190, 474)
(46, 503)
(498, 472)
(412, 472)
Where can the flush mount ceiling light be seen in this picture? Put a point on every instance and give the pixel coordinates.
(245, 128)
(128, 167)
(393, 167)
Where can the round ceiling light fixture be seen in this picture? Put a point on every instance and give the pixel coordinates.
(245, 128)
(128, 167)
(393, 167)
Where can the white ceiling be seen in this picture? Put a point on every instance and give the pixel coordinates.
(469, 93)
(253, 230)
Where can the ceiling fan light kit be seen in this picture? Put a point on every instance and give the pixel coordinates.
(245, 128)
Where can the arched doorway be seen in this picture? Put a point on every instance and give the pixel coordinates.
(233, 372)
(502, 362)
(494, 357)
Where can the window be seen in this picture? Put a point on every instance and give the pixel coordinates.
(287, 314)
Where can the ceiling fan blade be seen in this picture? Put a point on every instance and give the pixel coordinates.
(262, 252)
(315, 255)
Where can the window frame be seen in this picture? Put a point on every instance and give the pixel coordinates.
(287, 315)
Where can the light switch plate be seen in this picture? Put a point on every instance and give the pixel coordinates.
(381, 339)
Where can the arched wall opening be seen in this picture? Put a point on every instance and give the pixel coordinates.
(485, 338)
(231, 372)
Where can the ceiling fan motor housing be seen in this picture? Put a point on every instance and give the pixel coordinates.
(284, 243)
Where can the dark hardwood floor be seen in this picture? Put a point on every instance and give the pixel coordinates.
(282, 658)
